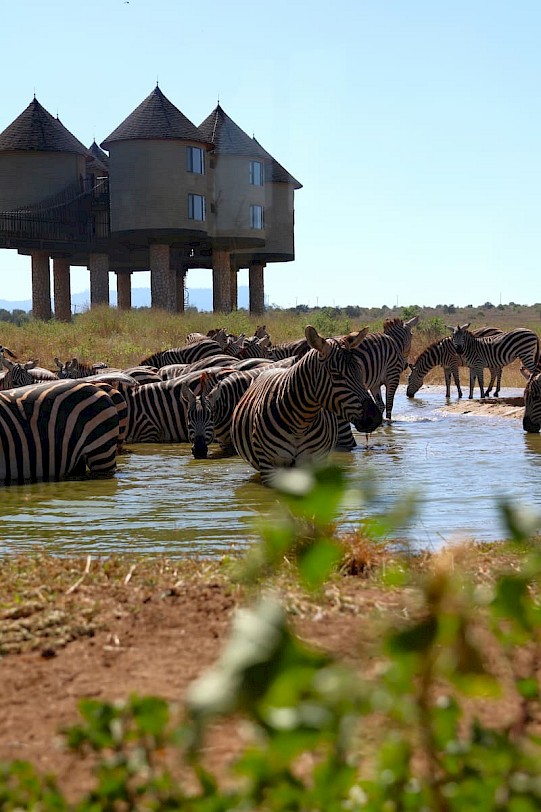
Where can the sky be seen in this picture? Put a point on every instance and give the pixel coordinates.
(414, 127)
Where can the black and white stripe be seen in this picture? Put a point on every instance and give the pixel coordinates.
(382, 362)
(495, 351)
(26, 374)
(184, 355)
(531, 420)
(289, 416)
(443, 353)
(56, 430)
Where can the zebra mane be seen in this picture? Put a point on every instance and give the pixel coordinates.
(393, 322)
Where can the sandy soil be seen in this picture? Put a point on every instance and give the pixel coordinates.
(489, 407)
(71, 629)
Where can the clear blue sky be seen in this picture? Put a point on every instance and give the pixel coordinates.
(413, 125)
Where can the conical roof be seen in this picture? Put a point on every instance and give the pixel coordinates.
(98, 153)
(227, 137)
(37, 130)
(277, 172)
(156, 118)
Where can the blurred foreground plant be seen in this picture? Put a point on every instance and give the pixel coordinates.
(421, 728)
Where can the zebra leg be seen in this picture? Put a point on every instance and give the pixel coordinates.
(345, 440)
(498, 382)
(456, 378)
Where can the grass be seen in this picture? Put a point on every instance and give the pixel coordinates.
(122, 339)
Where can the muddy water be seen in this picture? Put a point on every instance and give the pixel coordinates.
(164, 501)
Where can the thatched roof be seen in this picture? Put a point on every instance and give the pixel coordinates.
(36, 130)
(156, 118)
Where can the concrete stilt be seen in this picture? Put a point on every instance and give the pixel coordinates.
(62, 289)
(123, 290)
(160, 278)
(221, 282)
(99, 279)
(41, 286)
(257, 288)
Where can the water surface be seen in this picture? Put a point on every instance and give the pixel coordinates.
(163, 501)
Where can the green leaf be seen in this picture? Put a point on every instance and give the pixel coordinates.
(417, 639)
(318, 561)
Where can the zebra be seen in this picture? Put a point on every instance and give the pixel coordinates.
(200, 427)
(443, 353)
(223, 398)
(158, 413)
(183, 355)
(495, 351)
(74, 369)
(382, 363)
(290, 416)
(23, 374)
(531, 421)
(287, 349)
(400, 331)
(143, 374)
(56, 430)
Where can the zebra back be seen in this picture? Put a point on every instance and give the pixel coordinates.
(183, 355)
(55, 430)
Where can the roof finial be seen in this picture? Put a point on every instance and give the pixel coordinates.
(157, 81)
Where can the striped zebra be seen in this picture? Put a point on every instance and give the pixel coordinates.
(443, 353)
(223, 399)
(290, 416)
(401, 332)
(495, 351)
(56, 430)
(287, 349)
(23, 374)
(160, 413)
(74, 369)
(531, 421)
(183, 355)
(200, 427)
(382, 363)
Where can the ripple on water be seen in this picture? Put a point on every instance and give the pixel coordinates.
(164, 501)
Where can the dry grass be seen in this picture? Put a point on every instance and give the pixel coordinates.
(122, 339)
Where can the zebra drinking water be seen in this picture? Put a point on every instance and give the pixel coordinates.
(443, 353)
(290, 416)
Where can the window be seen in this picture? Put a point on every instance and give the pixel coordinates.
(256, 216)
(256, 173)
(195, 160)
(196, 207)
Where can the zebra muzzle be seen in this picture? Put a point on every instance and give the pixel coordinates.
(200, 449)
(370, 419)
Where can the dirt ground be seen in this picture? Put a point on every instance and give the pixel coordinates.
(108, 628)
(489, 407)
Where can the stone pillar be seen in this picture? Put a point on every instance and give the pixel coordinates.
(221, 282)
(178, 276)
(257, 288)
(233, 285)
(160, 277)
(99, 279)
(123, 290)
(61, 289)
(41, 286)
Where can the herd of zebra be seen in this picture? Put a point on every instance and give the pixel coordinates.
(274, 405)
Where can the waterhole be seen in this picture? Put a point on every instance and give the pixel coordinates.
(162, 501)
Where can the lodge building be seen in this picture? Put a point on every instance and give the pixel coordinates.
(158, 194)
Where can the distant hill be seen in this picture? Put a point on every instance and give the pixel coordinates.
(201, 298)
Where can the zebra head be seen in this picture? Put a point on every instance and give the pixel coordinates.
(199, 421)
(348, 396)
(531, 422)
(415, 381)
(460, 337)
(17, 374)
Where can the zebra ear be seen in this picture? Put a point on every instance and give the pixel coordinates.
(187, 394)
(30, 365)
(412, 322)
(452, 329)
(7, 363)
(316, 341)
(354, 339)
(465, 326)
